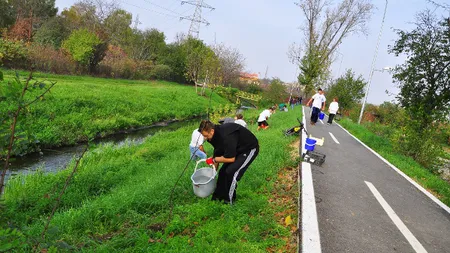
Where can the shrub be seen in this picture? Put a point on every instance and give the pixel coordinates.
(48, 59)
(161, 72)
(86, 48)
(13, 54)
(117, 64)
(420, 144)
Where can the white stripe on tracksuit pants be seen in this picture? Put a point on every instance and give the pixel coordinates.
(234, 183)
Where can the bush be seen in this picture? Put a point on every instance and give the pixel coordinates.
(161, 72)
(13, 54)
(86, 48)
(420, 144)
(117, 64)
(48, 59)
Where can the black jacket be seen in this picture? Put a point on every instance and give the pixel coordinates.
(231, 140)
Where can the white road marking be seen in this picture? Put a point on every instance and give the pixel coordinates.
(321, 121)
(419, 187)
(334, 138)
(417, 246)
(310, 226)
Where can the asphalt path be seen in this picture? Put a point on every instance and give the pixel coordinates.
(364, 205)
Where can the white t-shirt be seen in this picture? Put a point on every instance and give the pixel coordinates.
(197, 139)
(264, 115)
(318, 100)
(241, 122)
(334, 107)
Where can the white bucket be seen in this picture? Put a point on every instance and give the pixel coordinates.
(204, 180)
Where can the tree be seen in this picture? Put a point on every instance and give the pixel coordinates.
(148, 45)
(313, 72)
(325, 28)
(86, 48)
(198, 56)
(424, 78)
(117, 26)
(35, 12)
(348, 88)
(232, 63)
(175, 58)
(276, 92)
(6, 14)
(53, 32)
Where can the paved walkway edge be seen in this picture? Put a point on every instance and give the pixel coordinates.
(419, 187)
(310, 225)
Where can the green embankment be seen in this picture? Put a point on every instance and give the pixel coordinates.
(81, 106)
(118, 200)
(439, 187)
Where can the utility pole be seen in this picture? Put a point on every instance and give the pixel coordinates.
(267, 70)
(373, 65)
(196, 19)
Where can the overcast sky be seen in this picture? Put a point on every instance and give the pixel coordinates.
(262, 31)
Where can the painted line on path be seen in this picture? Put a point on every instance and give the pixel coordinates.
(417, 246)
(310, 224)
(334, 138)
(418, 186)
(321, 121)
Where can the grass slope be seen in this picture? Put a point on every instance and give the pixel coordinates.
(118, 200)
(81, 106)
(439, 187)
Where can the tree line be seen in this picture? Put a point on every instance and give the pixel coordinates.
(98, 38)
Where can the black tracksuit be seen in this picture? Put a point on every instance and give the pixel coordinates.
(232, 140)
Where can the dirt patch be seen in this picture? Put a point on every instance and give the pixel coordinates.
(284, 201)
(294, 152)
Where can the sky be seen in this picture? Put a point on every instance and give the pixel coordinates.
(263, 31)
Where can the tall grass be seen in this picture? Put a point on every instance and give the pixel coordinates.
(439, 187)
(80, 106)
(118, 200)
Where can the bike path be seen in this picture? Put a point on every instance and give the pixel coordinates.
(363, 205)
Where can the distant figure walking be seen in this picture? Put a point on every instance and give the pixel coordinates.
(318, 104)
(332, 110)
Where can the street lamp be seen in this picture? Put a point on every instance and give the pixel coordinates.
(373, 64)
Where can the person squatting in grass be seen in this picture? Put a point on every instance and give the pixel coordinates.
(236, 148)
(318, 104)
(262, 119)
(196, 145)
(239, 119)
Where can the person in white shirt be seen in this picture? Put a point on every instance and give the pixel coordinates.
(332, 110)
(239, 119)
(318, 104)
(262, 119)
(196, 145)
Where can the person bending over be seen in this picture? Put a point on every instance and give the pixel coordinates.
(235, 147)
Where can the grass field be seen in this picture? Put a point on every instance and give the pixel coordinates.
(81, 106)
(118, 200)
(439, 187)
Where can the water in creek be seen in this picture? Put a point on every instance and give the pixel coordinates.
(52, 160)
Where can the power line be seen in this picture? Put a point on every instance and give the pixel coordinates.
(196, 19)
(140, 7)
(162, 7)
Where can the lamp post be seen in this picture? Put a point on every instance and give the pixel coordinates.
(373, 64)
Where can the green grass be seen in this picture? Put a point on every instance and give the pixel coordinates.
(423, 176)
(118, 199)
(80, 106)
